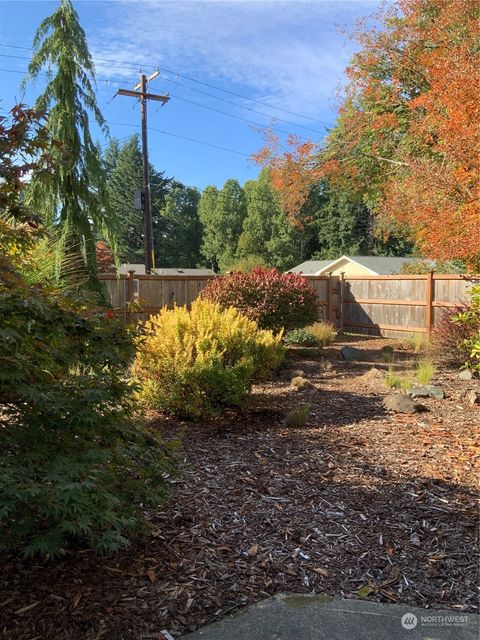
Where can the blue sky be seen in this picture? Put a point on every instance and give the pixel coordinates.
(284, 54)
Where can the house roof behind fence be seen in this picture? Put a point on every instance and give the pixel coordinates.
(311, 267)
(381, 265)
(165, 271)
(385, 265)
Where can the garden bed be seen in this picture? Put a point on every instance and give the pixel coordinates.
(358, 502)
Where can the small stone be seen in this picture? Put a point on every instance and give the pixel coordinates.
(426, 391)
(302, 383)
(435, 392)
(466, 374)
(472, 396)
(401, 403)
(352, 353)
(418, 392)
(298, 373)
(372, 375)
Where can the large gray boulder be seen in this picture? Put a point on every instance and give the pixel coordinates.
(400, 403)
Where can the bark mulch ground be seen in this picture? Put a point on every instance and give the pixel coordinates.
(357, 503)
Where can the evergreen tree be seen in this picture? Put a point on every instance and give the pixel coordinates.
(181, 238)
(74, 197)
(344, 224)
(110, 157)
(267, 233)
(206, 212)
(230, 213)
(125, 177)
(222, 214)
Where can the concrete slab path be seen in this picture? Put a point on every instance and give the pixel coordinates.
(317, 617)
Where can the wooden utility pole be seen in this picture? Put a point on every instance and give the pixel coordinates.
(143, 96)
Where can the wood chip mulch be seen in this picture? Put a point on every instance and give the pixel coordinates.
(358, 503)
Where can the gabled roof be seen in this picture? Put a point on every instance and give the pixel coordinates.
(377, 265)
(310, 267)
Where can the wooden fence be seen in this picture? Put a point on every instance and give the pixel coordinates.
(136, 297)
(392, 306)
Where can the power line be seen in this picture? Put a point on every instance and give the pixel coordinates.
(181, 98)
(230, 115)
(169, 133)
(210, 95)
(176, 135)
(235, 104)
(129, 65)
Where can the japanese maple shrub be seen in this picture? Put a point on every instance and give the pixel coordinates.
(195, 363)
(274, 300)
(75, 468)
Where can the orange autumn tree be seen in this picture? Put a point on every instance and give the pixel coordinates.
(292, 173)
(408, 134)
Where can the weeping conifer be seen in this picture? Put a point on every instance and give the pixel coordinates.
(74, 198)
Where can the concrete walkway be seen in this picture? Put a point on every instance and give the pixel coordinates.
(316, 617)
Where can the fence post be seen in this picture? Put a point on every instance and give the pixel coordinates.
(130, 293)
(330, 298)
(342, 298)
(429, 301)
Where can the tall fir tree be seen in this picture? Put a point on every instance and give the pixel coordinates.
(344, 224)
(124, 178)
(181, 237)
(74, 199)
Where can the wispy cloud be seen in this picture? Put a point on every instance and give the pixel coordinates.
(286, 53)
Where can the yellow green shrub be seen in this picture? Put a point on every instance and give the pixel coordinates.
(195, 363)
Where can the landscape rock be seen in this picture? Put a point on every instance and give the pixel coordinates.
(401, 403)
(472, 396)
(302, 383)
(426, 391)
(466, 374)
(373, 375)
(352, 353)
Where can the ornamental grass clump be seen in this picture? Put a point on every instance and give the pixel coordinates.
(274, 300)
(324, 332)
(196, 363)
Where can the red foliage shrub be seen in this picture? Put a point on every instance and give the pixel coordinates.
(448, 337)
(274, 300)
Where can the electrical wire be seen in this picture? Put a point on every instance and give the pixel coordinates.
(134, 66)
(176, 135)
